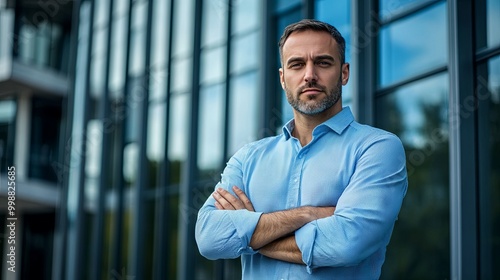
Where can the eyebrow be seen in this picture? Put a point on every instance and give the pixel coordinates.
(319, 57)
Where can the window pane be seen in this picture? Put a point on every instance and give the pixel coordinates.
(7, 131)
(214, 22)
(181, 75)
(489, 97)
(183, 28)
(213, 64)
(177, 140)
(156, 132)
(159, 38)
(117, 55)
(243, 111)
(45, 134)
(282, 5)
(244, 53)
(246, 15)
(138, 38)
(487, 23)
(390, 8)
(211, 124)
(407, 48)
(418, 114)
(98, 63)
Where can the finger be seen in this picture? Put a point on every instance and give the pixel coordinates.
(235, 202)
(218, 206)
(224, 204)
(244, 198)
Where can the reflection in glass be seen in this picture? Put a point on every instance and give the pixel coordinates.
(183, 28)
(407, 48)
(7, 128)
(214, 27)
(389, 8)
(489, 95)
(117, 56)
(130, 163)
(282, 5)
(243, 110)
(493, 17)
(181, 75)
(487, 23)
(246, 15)
(156, 132)
(101, 11)
(244, 53)
(159, 30)
(178, 133)
(138, 38)
(158, 80)
(213, 64)
(418, 114)
(98, 63)
(211, 128)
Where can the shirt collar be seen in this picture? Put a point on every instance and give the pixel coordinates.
(337, 123)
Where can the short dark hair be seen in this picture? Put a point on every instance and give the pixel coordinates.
(315, 25)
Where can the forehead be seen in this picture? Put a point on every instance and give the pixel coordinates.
(310, 42)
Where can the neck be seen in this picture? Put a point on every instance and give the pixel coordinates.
(305, 124)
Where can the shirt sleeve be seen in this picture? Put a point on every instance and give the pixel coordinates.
(365, 213)
(226, 234)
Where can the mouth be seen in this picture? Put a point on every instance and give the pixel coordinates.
(311, 91)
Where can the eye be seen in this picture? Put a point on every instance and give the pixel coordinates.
(324, 63)
(296, 65)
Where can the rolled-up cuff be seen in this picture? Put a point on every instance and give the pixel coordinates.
(305, 237)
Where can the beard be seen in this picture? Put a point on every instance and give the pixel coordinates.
(309, 107)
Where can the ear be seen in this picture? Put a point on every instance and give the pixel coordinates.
(282, 79)
(345, 73)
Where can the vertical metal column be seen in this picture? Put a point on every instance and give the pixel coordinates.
(463, 143)
(76, 197)
(104, 114)
(162, 237)
(363, 66)
(138, 238)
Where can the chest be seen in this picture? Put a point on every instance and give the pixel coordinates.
(278, 180)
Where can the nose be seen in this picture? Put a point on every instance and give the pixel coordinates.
(310, 73)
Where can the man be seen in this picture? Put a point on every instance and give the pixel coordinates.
(320, 200)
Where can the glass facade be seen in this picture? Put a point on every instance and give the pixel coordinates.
(142, 102)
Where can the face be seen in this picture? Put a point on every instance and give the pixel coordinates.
(312, 74)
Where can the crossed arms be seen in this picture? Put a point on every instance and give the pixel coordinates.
(273, 236)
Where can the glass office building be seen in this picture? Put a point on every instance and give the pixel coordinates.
(119, 116)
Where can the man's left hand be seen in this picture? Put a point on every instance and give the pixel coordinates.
(224, 200)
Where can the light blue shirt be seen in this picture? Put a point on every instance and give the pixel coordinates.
(357, 168)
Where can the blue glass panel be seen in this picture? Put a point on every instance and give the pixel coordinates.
(488, 93)
(211, 134)
(178, 135)
(213, 65)
(388, 8)
(156, 132)
(245, 52)
(214, 27)
(282, 5)
(183, 28)
(246, 15)
(408, 48)
(487, 23)
(418, 114)
(243, 114)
